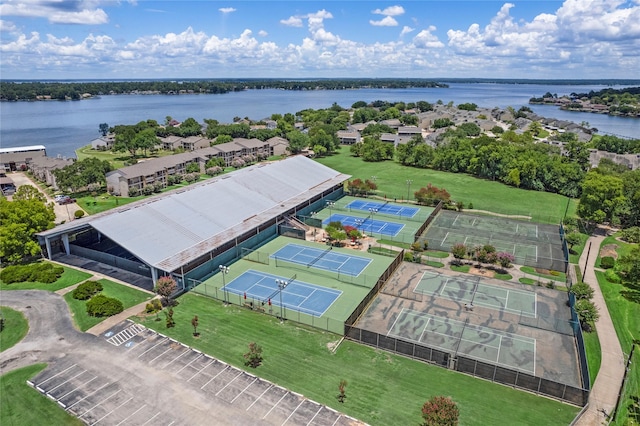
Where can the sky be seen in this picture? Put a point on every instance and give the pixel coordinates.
(139, 39)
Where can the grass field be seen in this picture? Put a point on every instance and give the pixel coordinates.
(23, 405)
(383, 389)
(625, 315)
(391, 179)
(594, 354)
(561, 277)
(16, 327)
(69, 277)
(127, 295)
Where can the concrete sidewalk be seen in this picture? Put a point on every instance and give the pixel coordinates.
(605, 390)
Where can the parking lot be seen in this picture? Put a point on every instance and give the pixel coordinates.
(236, 396)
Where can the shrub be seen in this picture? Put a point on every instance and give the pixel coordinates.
(86, 290)
(582, 291)
(78, 214)
(631, 235)
(153, 306)
(550, 285)
(607, 262)
(408, 256)
(41, 272)
(612, 276)
(440, 411)
(147, 190)
(103, 306)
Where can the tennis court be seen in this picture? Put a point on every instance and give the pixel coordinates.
(482, 343)
(327, 260)
(473, 291)
(386, 208)
(367, 224)
(519, 250)
(299, 296)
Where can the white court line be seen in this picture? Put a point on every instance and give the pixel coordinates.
(98, 421)
(474, 222)
(256, 400)
(190, 362)
(269, 412)
(132, 414)
(424, 329)
(506, 301)
(301, 402)
(465, 240)
(536, 233)
(499, 347)
(210, 380)
(455, 220)
(201, 370)
(445, 237)
(75, 389)
(245, 388)
(101, 402)
(315, 415)
(517, 228)
(229, 382)
(534, 356)
(535, 305)
(536, 253)
(38, 384)
(394, 323)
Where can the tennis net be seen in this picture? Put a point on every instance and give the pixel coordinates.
(310, 264)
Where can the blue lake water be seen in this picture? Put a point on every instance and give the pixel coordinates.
(65, 126)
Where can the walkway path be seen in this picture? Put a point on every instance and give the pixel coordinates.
(607, 385)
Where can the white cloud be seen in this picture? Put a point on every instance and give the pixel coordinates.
(7, 26)
(390, 11)
(292, 21)
(425, 40)
(57, 12)
(406, 30)
(263, 33)
(387, 21)
(227, 10)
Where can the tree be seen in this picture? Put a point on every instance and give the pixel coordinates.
(587, 313)
(341, 389)
(253, 358)
(103, 129)
(194, 324)
(572, 238)
(459, 251)
(505, 259)
(629, 265)
(582, 291)
(602, 196)
(20, 220)
(431, 195)
(125, 141)
(82, 174)
(169, 316)
(440, 411)
(165, 286)
(28, 192)
(298, 141)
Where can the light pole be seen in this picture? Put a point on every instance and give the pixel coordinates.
(330, 204)
(358, 223)
(372, 211)
(224, 270)
(409, 182)
(281, 285)
(312, 215)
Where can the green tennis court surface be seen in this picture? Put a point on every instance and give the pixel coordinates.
(482, 343)
(459, 288)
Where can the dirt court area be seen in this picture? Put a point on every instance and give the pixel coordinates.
(544, 333)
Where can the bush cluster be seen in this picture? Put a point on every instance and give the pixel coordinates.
(86, 290)
(607, 262)
(103, 306)
(631, 235)
(35, 272)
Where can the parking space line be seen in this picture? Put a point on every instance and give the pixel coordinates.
(132, 414)
(69, 393)
(246, 387)
(230, 381)
(190, 362)
(126, 402)
(219, 373)
(101, 402)
(334, 423)
(87, 396)
(156, 415)
(199, 371)
(256, 400)
(153, 347)
(315, 415)
(301, 402)
(71, 378)
(170, 349)
(55, 375)
(169, 363)
(268, 412)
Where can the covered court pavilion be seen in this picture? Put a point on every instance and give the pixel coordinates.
(188, 232)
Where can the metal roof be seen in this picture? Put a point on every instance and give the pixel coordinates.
(172, 229)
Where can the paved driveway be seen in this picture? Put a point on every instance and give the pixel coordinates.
(134, 376)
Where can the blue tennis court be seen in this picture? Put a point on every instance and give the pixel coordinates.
(328, 259)
(385, 208)
(299, 296)
(366, 224)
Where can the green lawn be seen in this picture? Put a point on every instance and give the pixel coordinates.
(23, 405)
(622, 248)
(391, 178)
(383, 389)
(69, 277)
(15, 328)
(625, 315)
(561, 276)
(127, 295)
(461, 268)
(576, 250)
(594, 354)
